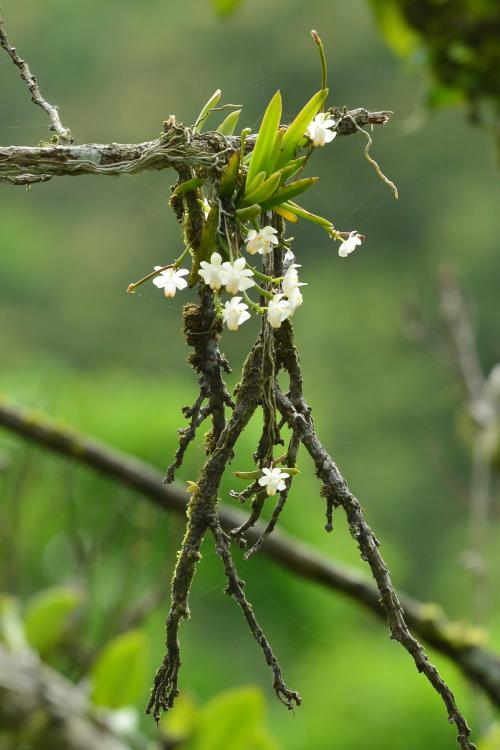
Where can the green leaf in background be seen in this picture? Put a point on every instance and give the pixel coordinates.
(491, 741)
(225, 7)
(119, 674)
(228, 125)
(202, 117)
(11, 624)
(400, 37)
(261, 155)
(231, 720)
(181, 722)
(443, 96)
(49, 616)
(297, 129)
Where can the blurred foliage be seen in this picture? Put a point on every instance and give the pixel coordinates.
(459, 41)
(234, 719)
(119, 674)
(77, 346)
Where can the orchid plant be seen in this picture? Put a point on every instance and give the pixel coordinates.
(234, 221)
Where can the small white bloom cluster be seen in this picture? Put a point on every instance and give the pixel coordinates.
(236, 277)
(273, 480)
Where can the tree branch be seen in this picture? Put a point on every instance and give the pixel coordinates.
(38, 702)
(454, 640)
(36, 95)
(178, 147)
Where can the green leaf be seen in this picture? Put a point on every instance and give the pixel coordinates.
(230, 720)
(261, 155)
(297, 129)
(11, 624)
(202, 117)
(228, 125)
(49, 615)
(293, 167)
(225, 7)
(254, 183)
(119, 674)
(288, 192)
(265, 190)
(181, 721)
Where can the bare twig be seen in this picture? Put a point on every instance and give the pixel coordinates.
(462, 335)
(36, 95)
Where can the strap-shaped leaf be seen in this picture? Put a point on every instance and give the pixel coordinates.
(261, 155)
(292, 168)
(296, 130)
(288, 192)
(202, 117)
(254, 183)
(264, 191)
(228, 125)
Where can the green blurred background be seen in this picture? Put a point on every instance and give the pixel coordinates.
(76, 345)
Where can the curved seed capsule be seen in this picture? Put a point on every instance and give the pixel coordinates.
(229, 178)
(207, 243)
(188, 186)
(249, 213)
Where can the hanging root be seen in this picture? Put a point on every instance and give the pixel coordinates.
(235, 588)
(337, 493)
(290, 460)
(257, 505)
(196, 414)
(201, 330)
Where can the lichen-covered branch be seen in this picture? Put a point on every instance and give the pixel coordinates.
(176, 148)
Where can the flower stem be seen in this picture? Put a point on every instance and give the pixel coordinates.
(132, 287)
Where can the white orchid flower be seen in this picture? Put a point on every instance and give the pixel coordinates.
(295, 299)
(278, 310)
(350, 244)
(273, 480)
(262, 241)
(291, 280)
(170, 280)
(319, 130)
(211, 272)
(235, 277)
(234, 313)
